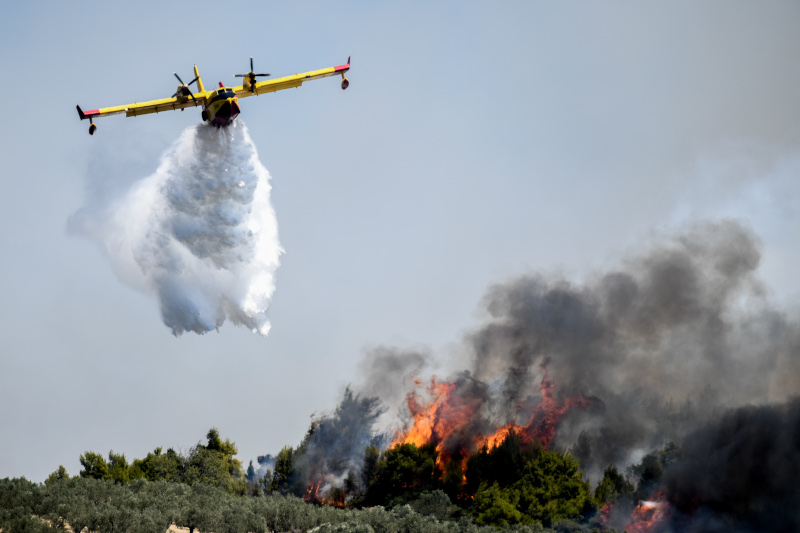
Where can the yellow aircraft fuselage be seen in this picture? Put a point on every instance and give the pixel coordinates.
(220, 106)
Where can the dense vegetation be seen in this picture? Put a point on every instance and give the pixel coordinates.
(210, 464)
(403, 489)
(509, 484)
(144, 506)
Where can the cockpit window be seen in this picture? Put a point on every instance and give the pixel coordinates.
(222, 94)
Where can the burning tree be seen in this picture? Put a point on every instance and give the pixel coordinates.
(452, 418)
(511, 483)
(406, 471)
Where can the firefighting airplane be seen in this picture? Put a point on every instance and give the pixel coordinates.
(220, 106)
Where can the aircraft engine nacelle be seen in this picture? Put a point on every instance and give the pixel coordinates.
(345, 83)
(183, 93)
(92, 128)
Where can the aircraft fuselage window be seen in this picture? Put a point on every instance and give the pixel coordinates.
(222, 95)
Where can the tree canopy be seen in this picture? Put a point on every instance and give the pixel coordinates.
(514, 484)
(209, 464)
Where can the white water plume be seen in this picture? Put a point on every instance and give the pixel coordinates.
(200, 233)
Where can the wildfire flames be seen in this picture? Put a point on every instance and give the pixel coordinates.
(433, 422)
(544, 419)
(316, 493)
(647, 515)
(448, 418)
(448, 415)
(312, 494)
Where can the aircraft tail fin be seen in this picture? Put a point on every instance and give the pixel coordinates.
(80, 112)
(199, 80)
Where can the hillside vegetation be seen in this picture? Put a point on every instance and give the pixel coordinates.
(402, 489)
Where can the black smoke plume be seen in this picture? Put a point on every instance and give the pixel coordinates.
(739, 473)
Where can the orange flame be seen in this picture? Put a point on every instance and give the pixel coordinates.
(648, 515)
(544, 419)
(605, 513)
(313, 495)
(332, 503)
(443, 415)
(447, 414)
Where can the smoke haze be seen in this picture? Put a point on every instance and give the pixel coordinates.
(200, 233)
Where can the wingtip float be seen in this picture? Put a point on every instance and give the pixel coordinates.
(221, 105)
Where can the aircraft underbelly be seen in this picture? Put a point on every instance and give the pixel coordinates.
(226, 113)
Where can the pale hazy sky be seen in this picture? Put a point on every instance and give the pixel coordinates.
(477, 141)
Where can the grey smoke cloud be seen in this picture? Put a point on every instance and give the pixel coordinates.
(334, 445)
(679, 332)
(387, 370)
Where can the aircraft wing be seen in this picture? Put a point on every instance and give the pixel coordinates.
(290, 82)
(144, 108)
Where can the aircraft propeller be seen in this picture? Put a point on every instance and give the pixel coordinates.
(251, 75)
(183, 88)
